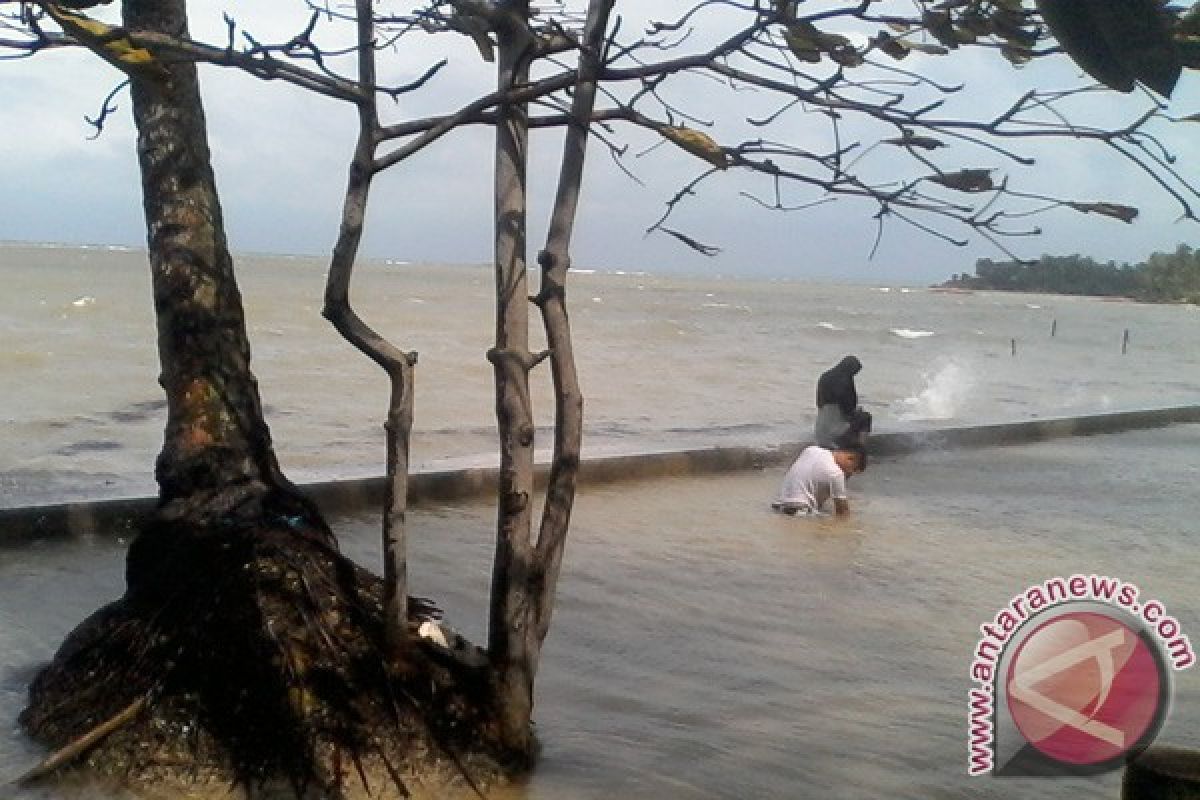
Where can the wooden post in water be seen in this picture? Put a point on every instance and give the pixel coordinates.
(1053, 328)
(1014, 347)
(1125, 342)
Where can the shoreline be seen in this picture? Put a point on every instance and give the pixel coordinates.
(941, 288)
(947, 288)
(120, 516)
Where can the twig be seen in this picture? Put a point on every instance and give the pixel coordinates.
(82, 744)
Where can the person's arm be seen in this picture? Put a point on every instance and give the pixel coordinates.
(837, 491)
(848, 399)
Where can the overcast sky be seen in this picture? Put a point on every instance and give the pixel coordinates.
(280, 158)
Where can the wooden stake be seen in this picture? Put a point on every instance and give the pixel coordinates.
(1053, 328)
(1014, 347)
(1125, 342)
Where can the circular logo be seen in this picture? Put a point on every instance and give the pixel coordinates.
(1085, 688)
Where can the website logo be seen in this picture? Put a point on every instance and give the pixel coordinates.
(1073, 677)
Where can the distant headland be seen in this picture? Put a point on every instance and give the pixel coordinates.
(1161, 278)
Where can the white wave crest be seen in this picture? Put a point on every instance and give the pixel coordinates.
(945, 391)
(909, 333)
(829, 326)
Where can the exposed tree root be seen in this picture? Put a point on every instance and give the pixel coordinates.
(250, 656)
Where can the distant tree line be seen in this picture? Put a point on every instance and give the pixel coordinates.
(1162, 278)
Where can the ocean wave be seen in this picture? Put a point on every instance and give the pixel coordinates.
(909, 333)
(829, 326)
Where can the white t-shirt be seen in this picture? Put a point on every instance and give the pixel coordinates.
(812, 479)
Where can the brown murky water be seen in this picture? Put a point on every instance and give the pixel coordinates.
(704, 647)
(82, 414)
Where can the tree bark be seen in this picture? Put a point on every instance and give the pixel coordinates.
(525, 577)
(217, 456)
(555, 261)
(398, 365)
(508, 624)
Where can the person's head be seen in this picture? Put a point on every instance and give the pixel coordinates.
(851, 459)
(850, 365)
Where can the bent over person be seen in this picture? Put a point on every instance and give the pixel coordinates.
(817, 476)
(839, 417)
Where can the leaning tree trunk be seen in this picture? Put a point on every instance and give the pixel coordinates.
(217, 456)
(555, 261)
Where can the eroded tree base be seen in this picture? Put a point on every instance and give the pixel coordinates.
(252, 659)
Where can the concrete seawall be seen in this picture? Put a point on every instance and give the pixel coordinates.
(121, 516)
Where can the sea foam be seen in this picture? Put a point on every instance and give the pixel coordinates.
(946, 389)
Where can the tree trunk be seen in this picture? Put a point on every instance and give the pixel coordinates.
(509, 620)
(525, 577)
(555, 261)
(399, 366)
(246, 650)
(217, 456)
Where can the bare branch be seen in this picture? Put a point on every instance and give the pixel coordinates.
(106, 108)
(699, 247)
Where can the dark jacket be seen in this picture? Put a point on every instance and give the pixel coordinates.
(836, 386)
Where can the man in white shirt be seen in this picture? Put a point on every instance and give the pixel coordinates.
(818, 475)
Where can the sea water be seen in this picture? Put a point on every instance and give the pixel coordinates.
(664, 362)
(703, 647)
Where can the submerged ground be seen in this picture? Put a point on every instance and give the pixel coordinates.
(705, 647)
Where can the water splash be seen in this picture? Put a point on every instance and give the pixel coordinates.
(946, 389)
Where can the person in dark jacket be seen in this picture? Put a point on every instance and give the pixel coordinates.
(840, 420)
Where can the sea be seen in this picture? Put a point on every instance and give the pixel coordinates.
(665, 362)
(702, 647)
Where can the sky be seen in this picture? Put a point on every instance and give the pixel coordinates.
(281, 156)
